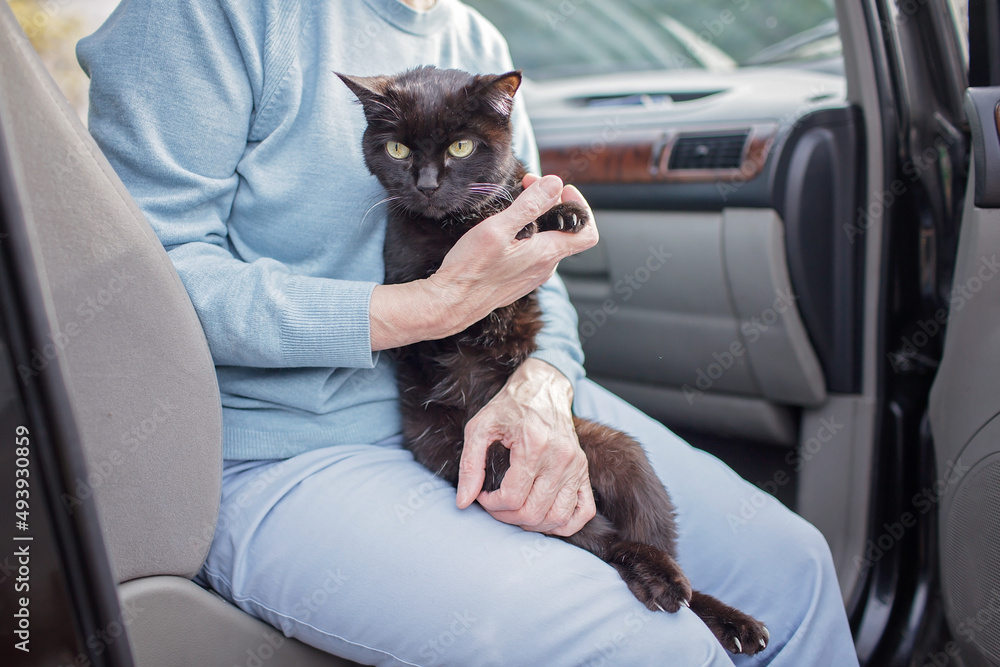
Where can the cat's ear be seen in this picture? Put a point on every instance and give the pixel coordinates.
(498, 91)
(368, 89)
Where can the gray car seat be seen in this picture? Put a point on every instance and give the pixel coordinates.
(141, 381)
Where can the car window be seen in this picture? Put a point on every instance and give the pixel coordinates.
(559, 38)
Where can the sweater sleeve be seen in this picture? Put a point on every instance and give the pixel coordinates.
(558, 341)
(175, 87)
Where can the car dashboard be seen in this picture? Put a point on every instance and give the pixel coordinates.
(749, 180)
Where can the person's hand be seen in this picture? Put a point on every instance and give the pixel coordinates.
(547, 488)
(491, 268)
(486, 269)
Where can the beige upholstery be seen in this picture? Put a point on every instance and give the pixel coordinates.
(141, 381)
(152, 603)
(142, 384)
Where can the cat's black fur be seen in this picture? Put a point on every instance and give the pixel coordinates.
(443, 383)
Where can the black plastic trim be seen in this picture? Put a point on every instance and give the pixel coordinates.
(817, 190)
(981, 110)
(984, 43)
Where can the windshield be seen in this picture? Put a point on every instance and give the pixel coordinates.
(559, 38)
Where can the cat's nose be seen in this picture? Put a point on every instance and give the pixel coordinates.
(427, 180)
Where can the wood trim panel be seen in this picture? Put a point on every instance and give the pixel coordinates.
(645, 160)
(611, 163)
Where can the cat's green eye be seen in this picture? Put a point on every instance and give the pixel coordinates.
(461, 148)
(397, 150)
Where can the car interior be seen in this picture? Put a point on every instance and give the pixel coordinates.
(741, 294)
(748, 339)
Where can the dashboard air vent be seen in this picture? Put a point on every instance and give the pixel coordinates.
(719, 150)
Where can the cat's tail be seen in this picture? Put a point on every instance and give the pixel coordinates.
(627, 491)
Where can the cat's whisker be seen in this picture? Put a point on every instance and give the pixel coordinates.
(497, 187)
(493, 190)
(491, 194)
(387, 200)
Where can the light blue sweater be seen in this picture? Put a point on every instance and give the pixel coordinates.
(226, 122)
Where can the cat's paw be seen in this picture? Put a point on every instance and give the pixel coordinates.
(738, 632)
(742, 634)
(652, 575)
(566, 217)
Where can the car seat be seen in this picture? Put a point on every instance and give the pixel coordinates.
(140, 380)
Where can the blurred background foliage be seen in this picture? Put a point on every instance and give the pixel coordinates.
(54, 27)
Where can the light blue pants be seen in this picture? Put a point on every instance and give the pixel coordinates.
(360, 551)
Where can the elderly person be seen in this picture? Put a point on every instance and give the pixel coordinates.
(225, 120)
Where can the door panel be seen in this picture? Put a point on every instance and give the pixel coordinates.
(715, 222)
(697, 303)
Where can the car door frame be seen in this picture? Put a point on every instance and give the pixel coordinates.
(919, 83)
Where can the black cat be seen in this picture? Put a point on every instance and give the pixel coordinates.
(439, 141)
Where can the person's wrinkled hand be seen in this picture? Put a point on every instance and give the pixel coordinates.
(547, 488)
